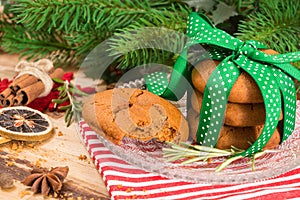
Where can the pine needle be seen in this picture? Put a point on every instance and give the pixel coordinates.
(275, 23)
(82, 25)
(227, 162)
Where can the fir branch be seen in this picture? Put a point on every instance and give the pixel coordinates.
(275, 23)
(5, 18)
(76, 16)
(146, 45)
(33, 44)
(85, 24)
(67, 30)
(38, 44)
(137, 45)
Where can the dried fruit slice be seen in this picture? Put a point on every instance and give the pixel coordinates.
(24, 123)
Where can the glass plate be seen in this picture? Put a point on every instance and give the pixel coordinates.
(148, 156)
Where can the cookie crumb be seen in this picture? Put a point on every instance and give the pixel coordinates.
(23, 193)
(60, 133)
(82, 157)
(30, 145)
(128, 190)
(14, 146)
(38, 163)
(11, 157)
(9, 163)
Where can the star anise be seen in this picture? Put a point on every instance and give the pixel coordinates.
(43, 181)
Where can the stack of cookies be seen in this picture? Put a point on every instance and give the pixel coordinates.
(245, 112)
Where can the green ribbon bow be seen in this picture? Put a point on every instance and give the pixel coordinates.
(272, 73)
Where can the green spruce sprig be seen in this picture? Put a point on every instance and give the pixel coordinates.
(38, 45)
(66, 31)
(77, 16)
(67, 91)
(187, 153)
(276, 23)
(154, 39)
(85, 24)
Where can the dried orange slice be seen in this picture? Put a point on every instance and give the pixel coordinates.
(24, 123)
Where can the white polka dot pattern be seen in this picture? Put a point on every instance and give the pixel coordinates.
(272, 73)
(217, 54)
(264, 78)
(272, 81)
(157, 82)
(287, 88)
(216, 94)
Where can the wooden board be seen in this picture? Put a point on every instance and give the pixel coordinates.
(64, 148)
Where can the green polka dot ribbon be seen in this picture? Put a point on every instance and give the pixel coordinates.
(273, 74)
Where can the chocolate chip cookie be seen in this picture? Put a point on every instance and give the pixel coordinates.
(134, 113)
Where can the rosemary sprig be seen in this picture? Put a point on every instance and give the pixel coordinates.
(66, 93)
(193, 153)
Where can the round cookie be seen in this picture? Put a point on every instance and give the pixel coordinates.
(269, 51)
(236, 114)
(242, 137)
(134, 113)
(239, 137)
(244, 90)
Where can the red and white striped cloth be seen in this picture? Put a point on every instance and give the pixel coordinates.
(125, 181)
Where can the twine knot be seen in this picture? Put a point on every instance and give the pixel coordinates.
(40, 70)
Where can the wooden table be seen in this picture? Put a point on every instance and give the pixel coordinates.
(63, 149)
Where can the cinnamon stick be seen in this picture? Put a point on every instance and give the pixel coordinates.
(8, 101)
(24, 82)
(5, 93)
(25, 89)
(28, 94)
(27, 79)
(10, 90)
(20, 78)
(18, 99)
